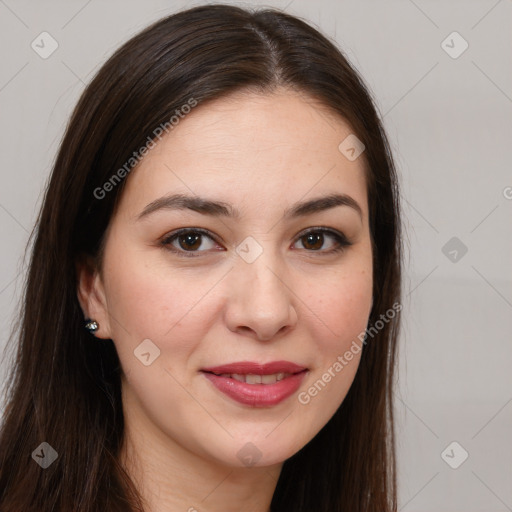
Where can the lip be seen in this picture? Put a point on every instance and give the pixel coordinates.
(246, 367)
(257, 395)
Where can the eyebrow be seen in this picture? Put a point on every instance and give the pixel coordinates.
(222, 209)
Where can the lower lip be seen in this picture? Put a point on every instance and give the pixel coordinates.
(257, 395)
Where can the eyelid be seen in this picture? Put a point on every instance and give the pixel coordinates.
(322, 229)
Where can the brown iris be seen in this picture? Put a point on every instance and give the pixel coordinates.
(192, 241)
(314, 240)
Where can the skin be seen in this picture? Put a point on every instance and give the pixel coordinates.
(261, 154)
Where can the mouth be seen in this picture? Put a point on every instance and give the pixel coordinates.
(254, 368)
(252, 378)
(255, 384)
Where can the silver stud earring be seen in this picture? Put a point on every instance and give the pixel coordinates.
(92, 326)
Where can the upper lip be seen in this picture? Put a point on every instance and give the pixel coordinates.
(249, 367)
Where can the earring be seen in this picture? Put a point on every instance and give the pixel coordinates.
(92, 326)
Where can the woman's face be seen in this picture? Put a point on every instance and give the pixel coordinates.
(252, 280)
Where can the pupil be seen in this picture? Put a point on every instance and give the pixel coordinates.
(190, 241)
(315, 240)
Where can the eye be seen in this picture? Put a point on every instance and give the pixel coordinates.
(314, 239)
(187, 241)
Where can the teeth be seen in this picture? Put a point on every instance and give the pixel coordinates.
(257, 379)
(268, 379)
(253, 379)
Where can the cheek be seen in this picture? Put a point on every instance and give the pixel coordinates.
(341, 304)
(341, 307)
(156, 303)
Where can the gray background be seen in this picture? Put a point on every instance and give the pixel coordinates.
(450, 124)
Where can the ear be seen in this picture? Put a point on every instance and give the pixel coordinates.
(91, 295)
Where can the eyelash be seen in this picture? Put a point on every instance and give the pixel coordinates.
(341, 240)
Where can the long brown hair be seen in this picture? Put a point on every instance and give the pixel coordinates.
(64, 387)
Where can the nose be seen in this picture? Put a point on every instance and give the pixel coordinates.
(261, 302)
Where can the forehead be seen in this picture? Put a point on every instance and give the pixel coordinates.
(249, 147)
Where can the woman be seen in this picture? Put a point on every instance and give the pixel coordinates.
(212, 306)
